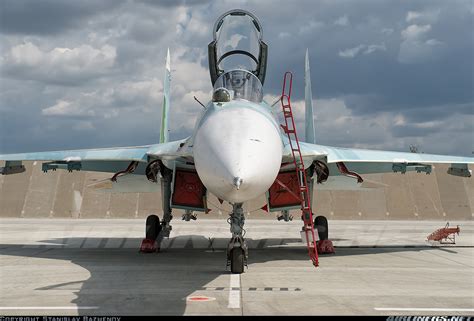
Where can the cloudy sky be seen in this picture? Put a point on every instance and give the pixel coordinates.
(385, 74)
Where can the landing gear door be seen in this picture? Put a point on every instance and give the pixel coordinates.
(237, 44)
(188, 193)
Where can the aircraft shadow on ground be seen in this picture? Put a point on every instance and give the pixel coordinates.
(123, 281)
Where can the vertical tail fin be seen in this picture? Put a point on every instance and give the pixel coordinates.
(308, 96)
(166, 101)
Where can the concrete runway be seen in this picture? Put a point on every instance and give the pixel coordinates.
(93, 267)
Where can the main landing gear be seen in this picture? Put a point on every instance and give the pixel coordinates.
(237, 251)
(157, 230)
(324, 245)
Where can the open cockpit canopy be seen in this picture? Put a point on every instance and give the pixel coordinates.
(238, 45)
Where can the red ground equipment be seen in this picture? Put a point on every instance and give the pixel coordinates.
(446, 235)
(148, 246)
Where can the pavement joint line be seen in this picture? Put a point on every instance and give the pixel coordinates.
(274, 289)
(446, 258)
(51, 308)
(425, 309)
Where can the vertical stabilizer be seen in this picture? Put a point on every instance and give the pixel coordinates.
(164, 133)
(308, 96)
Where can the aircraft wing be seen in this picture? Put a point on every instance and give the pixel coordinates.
(103, 159)
(373, 161)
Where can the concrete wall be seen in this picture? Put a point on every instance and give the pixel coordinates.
(60, 194)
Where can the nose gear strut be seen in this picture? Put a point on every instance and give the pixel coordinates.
(237, 250)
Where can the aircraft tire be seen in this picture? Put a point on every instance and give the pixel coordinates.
(237, 260)
(153, 227)
(321, 224)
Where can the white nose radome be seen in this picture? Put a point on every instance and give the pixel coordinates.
(237, 154)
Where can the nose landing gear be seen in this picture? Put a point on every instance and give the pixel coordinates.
(189, 215)
(237, 250)
(285, 215)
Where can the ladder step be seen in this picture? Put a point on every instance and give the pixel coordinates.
(306, 212)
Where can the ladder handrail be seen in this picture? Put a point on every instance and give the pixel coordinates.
(305, 198)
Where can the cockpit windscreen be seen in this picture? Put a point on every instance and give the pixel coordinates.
(240, 84)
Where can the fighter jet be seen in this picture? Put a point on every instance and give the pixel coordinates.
(240, 149)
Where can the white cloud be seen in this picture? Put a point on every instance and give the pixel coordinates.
(372, 48)
(426, 16)
(342, 21)
(415, 46)
(412, 15)
(67, 108)
(233, 42)
(311, 26)
(361, 49)
(415, 32)
(140, 96)
(28, 61)
(284, 35)
(83, 126)
(433, 42)
(351, 52)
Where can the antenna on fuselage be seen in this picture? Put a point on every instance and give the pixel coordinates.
(200, 103)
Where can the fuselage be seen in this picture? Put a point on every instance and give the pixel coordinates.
(237, 147)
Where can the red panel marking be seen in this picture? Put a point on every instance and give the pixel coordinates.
(280, 196)
(199, 298)
(188, 190)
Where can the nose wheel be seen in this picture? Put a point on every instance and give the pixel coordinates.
(237, 251)
(237, 260)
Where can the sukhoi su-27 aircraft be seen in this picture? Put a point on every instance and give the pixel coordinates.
(238, 151)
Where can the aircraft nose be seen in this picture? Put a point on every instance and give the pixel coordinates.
(237, 182)
(237, 154)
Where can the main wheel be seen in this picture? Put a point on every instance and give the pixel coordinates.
(321, 224)
(153, 227)
(237, 260)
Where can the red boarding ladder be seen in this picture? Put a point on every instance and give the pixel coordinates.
(446, 235)
(290, 130)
